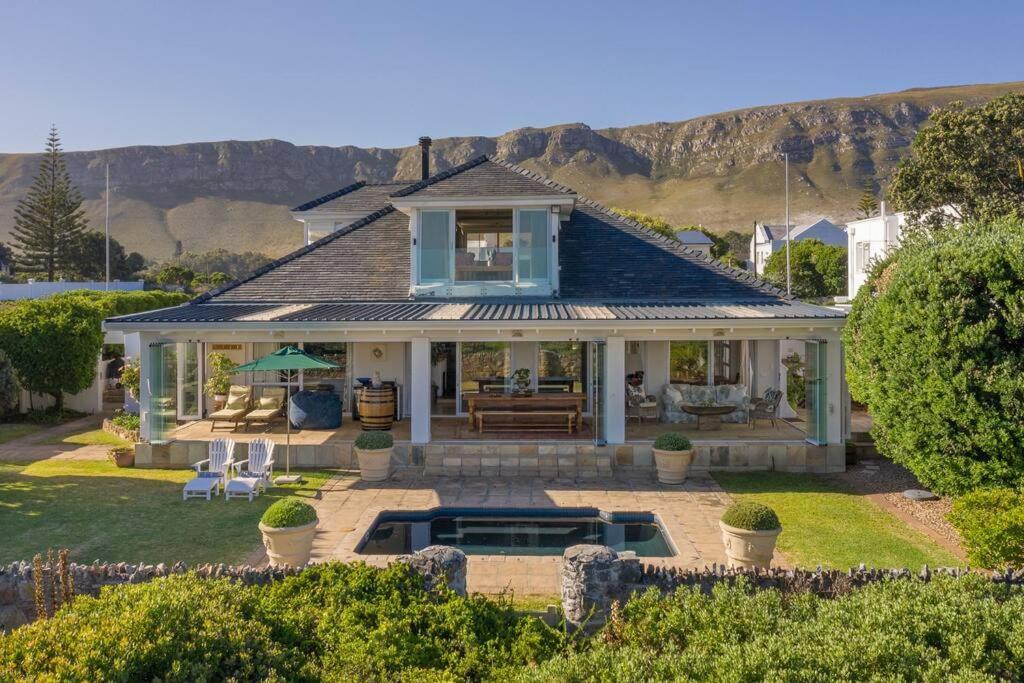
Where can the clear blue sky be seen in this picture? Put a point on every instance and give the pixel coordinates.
(382, 73)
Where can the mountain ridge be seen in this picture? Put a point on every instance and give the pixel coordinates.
(721, 170)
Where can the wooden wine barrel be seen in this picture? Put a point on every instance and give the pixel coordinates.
(376, 408)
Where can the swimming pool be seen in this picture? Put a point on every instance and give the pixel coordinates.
(515, 531)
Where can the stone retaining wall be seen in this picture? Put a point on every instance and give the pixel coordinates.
(129, 435)
(567, 460)
(594, 577)
(438, 564)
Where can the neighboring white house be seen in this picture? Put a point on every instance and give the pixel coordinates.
(695, 240)
(768, 239)
(870, 239)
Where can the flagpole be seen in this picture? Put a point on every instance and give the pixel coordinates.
(106, 223)
(789, 277)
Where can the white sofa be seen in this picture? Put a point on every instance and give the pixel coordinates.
(675, 395)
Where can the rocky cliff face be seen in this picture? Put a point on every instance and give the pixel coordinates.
(722, 171)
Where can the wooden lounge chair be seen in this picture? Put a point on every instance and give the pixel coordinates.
(270, 407)
(234, 408)
(252, 475)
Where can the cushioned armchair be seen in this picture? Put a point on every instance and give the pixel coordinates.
(764, 408)
(639, 404)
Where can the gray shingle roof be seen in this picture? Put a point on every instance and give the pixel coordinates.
(612, 268)
(484, 176)
(368, 260)
(361, 196)
(693, 237)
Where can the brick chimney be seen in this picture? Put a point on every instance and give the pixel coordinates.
(425, 157)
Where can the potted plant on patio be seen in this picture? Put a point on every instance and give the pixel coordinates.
(673, 454)
(288, 527)
(374, 449)
(749, 532)
(220, 368)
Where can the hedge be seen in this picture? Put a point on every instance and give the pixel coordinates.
(54, 342)
(991, 526)
(962, 629)
(935, 347)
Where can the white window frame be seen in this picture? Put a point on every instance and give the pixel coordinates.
(515, 280)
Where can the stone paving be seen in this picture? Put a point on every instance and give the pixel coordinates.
(34, 447)
(347, 507)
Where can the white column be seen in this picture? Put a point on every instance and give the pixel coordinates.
(145, 372)
(615, 390)
(656, 369)
(834, 398)
(419, 390)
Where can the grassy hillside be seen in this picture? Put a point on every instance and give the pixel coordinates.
(723, 171)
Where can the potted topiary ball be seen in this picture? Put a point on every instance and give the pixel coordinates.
(749, 532)
(288, 527)
(673, 454)
(374, 449)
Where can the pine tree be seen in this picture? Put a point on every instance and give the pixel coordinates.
(50, 219)
(868, 204)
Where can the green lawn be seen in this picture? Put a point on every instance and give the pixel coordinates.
(93, 437)
(101, 512)
(824, 525)
(15, 430)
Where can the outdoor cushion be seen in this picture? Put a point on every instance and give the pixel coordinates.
(270, 402)
(237, 398)
(263, 414)
(673, 395)
(227, 414)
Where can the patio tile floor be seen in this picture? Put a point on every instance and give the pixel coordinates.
(348, 506)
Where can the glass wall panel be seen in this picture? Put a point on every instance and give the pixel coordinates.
(332, 351)
(189, 373)
(533, 245)
(817, 415)
(728, 356)
(688, 362)
(485, 367)
(483, 245)
(163, 392)
(435, 246)
(561, 367)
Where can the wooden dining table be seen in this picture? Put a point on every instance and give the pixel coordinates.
(525, 403)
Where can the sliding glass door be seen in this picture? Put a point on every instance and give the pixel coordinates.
(190, 395)
(597, 388)
(162, 359)
(817, 401)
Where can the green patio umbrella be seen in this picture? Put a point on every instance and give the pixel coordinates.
(287, 359)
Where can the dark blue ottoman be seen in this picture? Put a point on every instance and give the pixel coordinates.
(315, 410)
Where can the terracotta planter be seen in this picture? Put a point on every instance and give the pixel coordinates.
(290, 545)
(123, 457)
(672, 465)
(748, 549)
(374, 464)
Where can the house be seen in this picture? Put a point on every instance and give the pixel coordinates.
(869, 240)
(768, 239)
(447, 286)
(695, 240)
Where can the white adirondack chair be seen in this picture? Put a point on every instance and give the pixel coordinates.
(212, 473)
(252, 475)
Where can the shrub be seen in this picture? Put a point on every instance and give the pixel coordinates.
(934, 346)
(672, 441)
(126, 420)
(10, 389)
(288, 512)
(991, 525)
(751, 516)
(370, 441)
(965, 629)
(177, 629)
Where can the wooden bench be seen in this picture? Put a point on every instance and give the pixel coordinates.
(551, 419)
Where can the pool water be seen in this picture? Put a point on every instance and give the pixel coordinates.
(515, 532)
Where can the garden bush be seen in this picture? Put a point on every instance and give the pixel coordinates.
(371, 441)
(966, 629)
(672, 441)
(288, 512)
(126, 420)
(355, 622)
(935, 347)
(751, 516)
(991, 526)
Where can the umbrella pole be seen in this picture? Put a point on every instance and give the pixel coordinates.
(288, 477)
